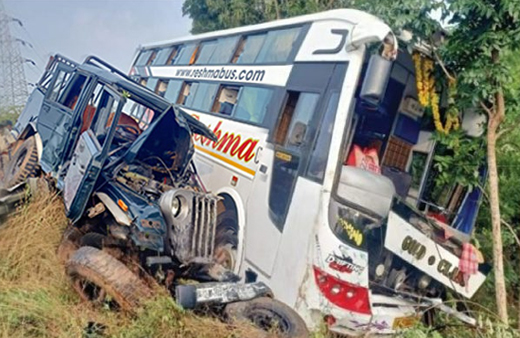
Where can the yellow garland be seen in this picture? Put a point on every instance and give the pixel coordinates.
(428, 97)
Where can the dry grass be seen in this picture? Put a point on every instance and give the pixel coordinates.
(36, 299)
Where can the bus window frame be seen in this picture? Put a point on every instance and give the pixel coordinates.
(268, 123)
(304, 29)
(228, 62)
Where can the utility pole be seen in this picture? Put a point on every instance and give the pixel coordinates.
(13, 85)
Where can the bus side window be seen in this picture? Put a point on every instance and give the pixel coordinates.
(291, 140)
(186, 54)
(206, 50)
(285, 119)
(144, 58)
(300, 128)
(278, 45)
(252, 104)
(173, 55)
(320, 151)
(195, 55)
(172, 91)
(204, 96)
(160, 89)
(152, 57)
(224, 50)
(165, 56)
(225, 100)
(143, 81)
(152, 83)
(186, 91)
(248, 48)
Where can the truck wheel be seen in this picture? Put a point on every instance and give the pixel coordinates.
(92, 239)
(268, 314)
(100, 278)
(23, 164)
(68, 243)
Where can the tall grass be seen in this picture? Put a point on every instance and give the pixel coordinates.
(36, 299)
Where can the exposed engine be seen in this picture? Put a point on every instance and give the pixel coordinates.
(191, 214)
(141, 180)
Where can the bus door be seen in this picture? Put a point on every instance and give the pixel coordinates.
(283, 160)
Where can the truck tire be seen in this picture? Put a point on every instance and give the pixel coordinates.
(100, 278)
(268, 314)
(69, 243)
(23, 163)
(92, 239)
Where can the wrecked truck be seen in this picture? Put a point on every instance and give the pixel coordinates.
(121, 156)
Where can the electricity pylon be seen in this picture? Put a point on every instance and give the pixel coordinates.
(13, 85)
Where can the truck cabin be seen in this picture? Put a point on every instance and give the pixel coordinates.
(80, 91)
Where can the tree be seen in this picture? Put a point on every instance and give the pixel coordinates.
(480, 32)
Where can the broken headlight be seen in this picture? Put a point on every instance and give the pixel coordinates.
(176, 206)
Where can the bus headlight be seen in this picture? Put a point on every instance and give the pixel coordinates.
(176, 206)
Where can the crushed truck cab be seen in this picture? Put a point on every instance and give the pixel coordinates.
(122, 158)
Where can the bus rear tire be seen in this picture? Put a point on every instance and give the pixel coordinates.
(268, 314)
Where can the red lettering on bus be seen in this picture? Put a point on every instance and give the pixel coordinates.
(229, 143)
(246, 152)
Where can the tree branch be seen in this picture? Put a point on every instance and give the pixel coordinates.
(486, 109)
(441, 63)
(504, 131)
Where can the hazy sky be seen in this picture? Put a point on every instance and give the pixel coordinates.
(110, 29)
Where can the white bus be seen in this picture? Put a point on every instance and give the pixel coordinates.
(322, 161)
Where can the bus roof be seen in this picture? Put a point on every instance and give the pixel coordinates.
(352, 16)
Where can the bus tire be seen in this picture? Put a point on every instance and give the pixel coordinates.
(268, 314)
(226, 239)
(96, 274)
(23, 164)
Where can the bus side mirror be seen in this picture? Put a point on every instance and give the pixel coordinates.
(376, 79)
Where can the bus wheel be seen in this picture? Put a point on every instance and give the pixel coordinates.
(269, 315)
(226, 239)
(100, 278)
(23, 164)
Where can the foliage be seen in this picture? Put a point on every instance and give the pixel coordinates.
(458, 159)
(10, 113)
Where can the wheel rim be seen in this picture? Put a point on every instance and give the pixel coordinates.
(18, 163)
(91, 292)
(269, 321)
